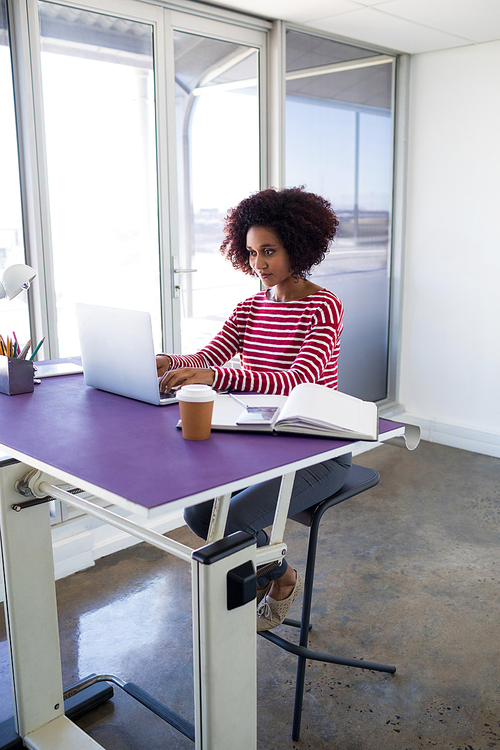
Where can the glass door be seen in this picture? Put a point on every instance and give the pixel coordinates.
(147, 128)
(98, 80)
(339, 141)
(218, 137)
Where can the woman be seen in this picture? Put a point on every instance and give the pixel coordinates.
(286, 334)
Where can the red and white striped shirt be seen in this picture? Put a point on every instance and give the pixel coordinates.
(281, 344)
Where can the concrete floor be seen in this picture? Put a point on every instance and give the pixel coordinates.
(407, 574)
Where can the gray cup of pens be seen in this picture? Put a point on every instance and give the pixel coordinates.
(16, 376)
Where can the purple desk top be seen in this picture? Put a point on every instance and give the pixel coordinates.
(134, 450)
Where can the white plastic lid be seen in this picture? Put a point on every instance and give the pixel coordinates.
(195, 393)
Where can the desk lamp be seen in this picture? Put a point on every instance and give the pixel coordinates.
(15, 280)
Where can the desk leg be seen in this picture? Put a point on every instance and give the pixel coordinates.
(224, 639)
(31, 617)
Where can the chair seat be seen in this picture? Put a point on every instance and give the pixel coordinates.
(360, 479)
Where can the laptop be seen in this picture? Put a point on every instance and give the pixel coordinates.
(118, 354)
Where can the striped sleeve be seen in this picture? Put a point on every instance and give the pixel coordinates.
(219, 351)
(281, 345)
(314, 362)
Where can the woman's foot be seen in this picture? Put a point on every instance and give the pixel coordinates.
(261, 592)
(283, 586)
(280, 587)
(271, 612)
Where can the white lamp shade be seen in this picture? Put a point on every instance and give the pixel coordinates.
(15, 279)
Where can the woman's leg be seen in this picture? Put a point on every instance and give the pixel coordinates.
(252, 509)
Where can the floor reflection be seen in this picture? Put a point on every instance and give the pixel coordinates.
(135, 622)
(6, 705)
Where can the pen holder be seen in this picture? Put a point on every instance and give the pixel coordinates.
(16, 376)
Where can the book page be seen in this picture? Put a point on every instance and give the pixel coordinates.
(316, 404)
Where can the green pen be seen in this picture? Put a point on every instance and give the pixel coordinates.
(37, 348)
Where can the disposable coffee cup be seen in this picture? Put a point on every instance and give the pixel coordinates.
(196, 403)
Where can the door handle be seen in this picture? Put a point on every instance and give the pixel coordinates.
(176, 287)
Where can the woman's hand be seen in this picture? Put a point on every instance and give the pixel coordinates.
(163, 364)
(185, 376)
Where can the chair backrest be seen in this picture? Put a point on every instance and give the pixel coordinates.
(360, 479)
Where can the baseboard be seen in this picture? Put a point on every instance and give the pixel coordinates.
(465, 438)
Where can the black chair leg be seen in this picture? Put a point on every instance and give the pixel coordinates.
(305, 627)
(299, 696)
(360, 479)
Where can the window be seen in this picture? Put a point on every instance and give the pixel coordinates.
(99, 116)
(149, 123)
(339, 134)
(14, 315)
(218, 142)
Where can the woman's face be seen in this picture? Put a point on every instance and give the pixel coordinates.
(267, 256)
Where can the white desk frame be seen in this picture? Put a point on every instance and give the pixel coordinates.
(32, 625)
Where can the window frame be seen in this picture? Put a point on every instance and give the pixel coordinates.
(209, 20)
(400, 103)
(242, 34)
(25, 45)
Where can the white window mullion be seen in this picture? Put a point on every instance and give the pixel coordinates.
(25, 40)
(276, 105)
(168, 198)
(401, 95)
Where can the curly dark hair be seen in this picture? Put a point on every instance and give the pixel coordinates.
(304, 222)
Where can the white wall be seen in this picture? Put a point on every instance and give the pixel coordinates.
(450, 352)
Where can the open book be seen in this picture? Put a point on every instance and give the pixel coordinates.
(309, 409)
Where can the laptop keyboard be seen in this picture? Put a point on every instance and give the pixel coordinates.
(167, 396)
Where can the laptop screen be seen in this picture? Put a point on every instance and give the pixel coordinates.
(118, 352)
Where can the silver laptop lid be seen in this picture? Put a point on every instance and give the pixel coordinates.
(118, 352)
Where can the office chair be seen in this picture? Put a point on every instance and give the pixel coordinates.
(359, 480)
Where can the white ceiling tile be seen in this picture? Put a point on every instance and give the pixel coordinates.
(478, 20)
(372, 2)
(406, 25)
(383, 29)
(297, 11)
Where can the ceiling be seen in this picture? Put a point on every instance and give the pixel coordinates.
(410, 26)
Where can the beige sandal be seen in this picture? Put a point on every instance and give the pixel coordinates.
(271, 612)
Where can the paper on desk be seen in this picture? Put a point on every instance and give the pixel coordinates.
(227, 411)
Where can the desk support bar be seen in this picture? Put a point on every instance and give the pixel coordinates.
(42, 488)
(276, 549)
(218, 518)
(147, 700)
(282, 506)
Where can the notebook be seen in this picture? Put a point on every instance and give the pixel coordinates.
(59, 368)
(118, 354)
